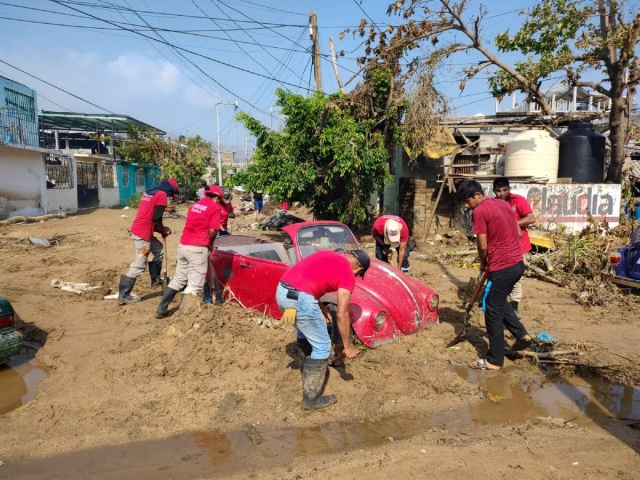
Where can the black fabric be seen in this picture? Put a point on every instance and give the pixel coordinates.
(158, 213)
(257, 196)
(499, 314)
(165, 187)
(292, 294)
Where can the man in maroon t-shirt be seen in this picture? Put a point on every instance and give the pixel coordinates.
(391, 231)
(525, 217)
(200, 229)
(148, 220)
(300, 289)
(500, 252)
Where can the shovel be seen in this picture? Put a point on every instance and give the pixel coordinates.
(165, 277)
(467, 313)
(474, 297)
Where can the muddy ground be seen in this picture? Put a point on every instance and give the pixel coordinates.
(134, 392)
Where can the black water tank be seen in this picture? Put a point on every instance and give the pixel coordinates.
(582, 154)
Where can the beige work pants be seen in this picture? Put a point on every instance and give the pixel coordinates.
(516, 292)
(191, 271)
(143, 248)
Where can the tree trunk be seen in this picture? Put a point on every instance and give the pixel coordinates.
(618, 123)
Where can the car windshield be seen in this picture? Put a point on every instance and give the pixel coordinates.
(325, 237)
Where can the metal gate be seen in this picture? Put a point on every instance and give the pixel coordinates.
(87, 185)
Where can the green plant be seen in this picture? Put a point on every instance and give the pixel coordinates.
(134, 202)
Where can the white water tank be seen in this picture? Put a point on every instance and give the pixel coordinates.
(533, 153)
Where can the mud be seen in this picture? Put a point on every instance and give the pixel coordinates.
(122, 381)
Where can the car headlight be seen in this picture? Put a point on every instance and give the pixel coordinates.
(434, 302)
(380, 319)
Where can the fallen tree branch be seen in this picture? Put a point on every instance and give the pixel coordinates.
(542, 275)
(13, 220)
(549, 355)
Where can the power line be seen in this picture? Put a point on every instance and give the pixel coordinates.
(150, 12)
(57, 88)
(267, 7)
(190, 61)
(176, 47)
(249, 35)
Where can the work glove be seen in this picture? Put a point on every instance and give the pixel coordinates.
(289, 316)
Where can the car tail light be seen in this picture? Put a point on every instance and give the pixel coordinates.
(380, 319)
(434, 301)
(7, 321)
(615, 257)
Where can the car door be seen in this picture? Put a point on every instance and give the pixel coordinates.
(250, 281)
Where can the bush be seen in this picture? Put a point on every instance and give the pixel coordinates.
(134, 202)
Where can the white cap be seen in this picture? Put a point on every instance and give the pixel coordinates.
(392, 230)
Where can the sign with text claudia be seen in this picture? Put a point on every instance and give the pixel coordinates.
(569, 204)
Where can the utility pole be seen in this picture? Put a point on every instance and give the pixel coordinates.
(317, 67)
(235, 104)
(219, 155)
(246, 149)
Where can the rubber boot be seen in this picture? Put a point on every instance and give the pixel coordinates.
(514, 306)
(155, 272)
(304, 350)
(313, 379)
(124, 290)
(167, 297)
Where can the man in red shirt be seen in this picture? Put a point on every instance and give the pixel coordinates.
(200, 230)
(500, 252)
(525, 217)
(148, 220)
(391, 231)
(300, 289)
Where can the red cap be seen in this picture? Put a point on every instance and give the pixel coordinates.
(216, 190)
(174, 184)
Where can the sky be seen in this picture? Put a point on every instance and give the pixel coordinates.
(234, 51)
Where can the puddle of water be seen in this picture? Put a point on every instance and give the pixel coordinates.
(582, 401)
(221, 454)
(19, 380)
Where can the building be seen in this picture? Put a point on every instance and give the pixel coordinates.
(51, 162)
(103, 178)
(475, 147)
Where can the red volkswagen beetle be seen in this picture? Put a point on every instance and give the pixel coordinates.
(385, 304)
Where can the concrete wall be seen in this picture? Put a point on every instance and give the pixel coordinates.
(22, 182)
(62, 199)
(108, 196)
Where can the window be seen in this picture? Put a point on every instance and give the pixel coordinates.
(325, 237)
(125, 176)
(20, 105)
(108, 175)
(140, 179)
(58, 171)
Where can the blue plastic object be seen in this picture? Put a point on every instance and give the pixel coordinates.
(545, 337)
(638, 211)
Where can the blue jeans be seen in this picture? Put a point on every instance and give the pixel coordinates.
(380, 249)
(310, 322)
(257, 204)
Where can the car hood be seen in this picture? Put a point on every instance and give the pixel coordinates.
(405, 299)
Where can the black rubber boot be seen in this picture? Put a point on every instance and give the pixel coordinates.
(124, 290)
(163, 308)
(304, 350)
(313, 379)
(155, 272)
(514, 306)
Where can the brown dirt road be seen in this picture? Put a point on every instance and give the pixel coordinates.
(210, 383)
